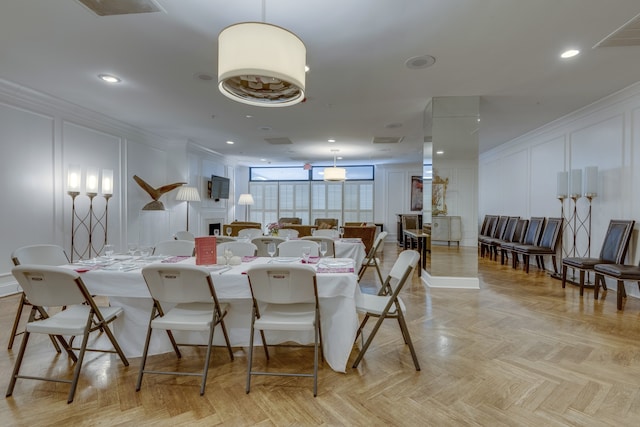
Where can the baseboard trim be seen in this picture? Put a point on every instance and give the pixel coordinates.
(450, 282)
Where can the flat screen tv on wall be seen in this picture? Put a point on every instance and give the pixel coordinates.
(219, 187)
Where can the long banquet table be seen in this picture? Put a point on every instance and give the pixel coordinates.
(337, 291)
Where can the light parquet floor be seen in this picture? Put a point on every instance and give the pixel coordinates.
(521, 351)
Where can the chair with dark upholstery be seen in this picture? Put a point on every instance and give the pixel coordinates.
(619, 272)
(291, 220)
(613, 250)
(531, 237)
(518, 237)
(488, 227)
(507, 237)
(326, 223)
(497, 234)
(547, 246)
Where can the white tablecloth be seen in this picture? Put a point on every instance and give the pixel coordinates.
(337, 292)
(351, 248)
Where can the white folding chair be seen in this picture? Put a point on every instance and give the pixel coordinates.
(40, 255)
(175, 248)
(331, 244)
(284, 298)
(293, 248)
(371, 259)
(250, 233)
(263, 242)
(387, 304)
(196, 308)
(238, 248)
(184, 235)
(47, 286)
(288, 233)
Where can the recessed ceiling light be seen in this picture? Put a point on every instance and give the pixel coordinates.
(419, 62)
(109, 78)
(306, 68)
(569, 53)
(248, 116)
(439, 152)
(339, 157)
(393, 125)
(230, 142)
(263, 160)
(331, 140)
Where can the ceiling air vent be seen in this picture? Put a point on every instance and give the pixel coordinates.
(387, 139)
(627, 35)
(121, 7)
(278, 141)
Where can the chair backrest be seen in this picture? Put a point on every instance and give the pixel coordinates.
(498, 232)
(49, 286)
(184, 235)
(291, 220)
(551, 234)
(40, 254)
(491, 225)
(294, 248)
(224, 239)
(175, 248)
(178, 283)
(367, 234)
(250, 232)
(410, 222)
(331, 233)
(402, 269)
(616, 241)
(288, 233)
(485, 224)
(283, 284)
(262, 243)
(330, 222)
(534, 230)
(238, 248)
(376, 244)
(331, 244)
(510, 229)
(519, 232)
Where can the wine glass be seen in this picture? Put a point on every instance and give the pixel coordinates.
(229, 231)
(216, 232)
(341, 232)
(271, 249)
(131, 248)
(108, 251)
(323, 248)
(145, 251)
(306, 253)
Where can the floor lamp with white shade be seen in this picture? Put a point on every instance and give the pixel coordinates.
(246, 200)
(188, 194)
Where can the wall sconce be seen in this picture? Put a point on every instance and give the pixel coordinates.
(188, 194)
(246, 200)
(89, 222)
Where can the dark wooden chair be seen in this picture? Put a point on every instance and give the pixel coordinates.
(547, 245)
(613, 251)
(619, 272)
(488, 227)
(531, 237)
(518, 237)
(497, 234)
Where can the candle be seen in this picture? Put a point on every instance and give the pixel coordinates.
(563, 185)
(576, 183)
(92, 181)
(107, 182)
(591, 181)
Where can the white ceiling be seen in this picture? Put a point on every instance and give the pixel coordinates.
(505, 51)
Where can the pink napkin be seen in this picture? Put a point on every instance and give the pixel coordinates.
(313, 260)
(248, 258)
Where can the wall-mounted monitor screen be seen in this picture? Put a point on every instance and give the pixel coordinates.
(219, 187)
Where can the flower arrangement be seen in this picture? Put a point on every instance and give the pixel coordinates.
(274, 227)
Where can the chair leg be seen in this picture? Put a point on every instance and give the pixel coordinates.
(14, 329)
(564, 276)
(596, 285)
(622, 293)
(525, 262)
(76, 371)
(366, 345)
(405, 333)
(16, 368)
(315, 354)
(581, 282)
(207, 357)
(555, 266)
(145, 351)
(250, 358)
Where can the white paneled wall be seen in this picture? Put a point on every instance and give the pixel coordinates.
(519, 177)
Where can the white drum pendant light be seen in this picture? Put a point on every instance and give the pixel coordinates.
(261, 64)
(335, 173)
